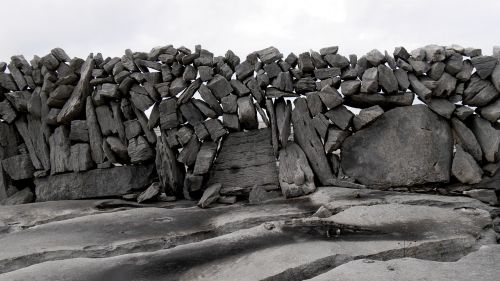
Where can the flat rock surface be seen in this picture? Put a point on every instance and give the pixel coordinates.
(278, 240)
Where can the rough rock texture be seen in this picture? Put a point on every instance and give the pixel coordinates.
(69, 241)
(244, 160)
(94, 183)
(405, 146)
(295, 175)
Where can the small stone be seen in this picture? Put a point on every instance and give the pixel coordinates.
(336, 60)
(325, 73)
(465, 168)
(21, 197)
(244, 70)
(227, 200)
(420, 67)
(329, 50)
(305, 63)
(340, 116)
(463, 112)
(335, 139)
(150, 193)
(269, 55)
(219, 86)
(139, 150)
(484, 65)
(401, 52)
(485, 195)
(442, 107)
(375, 57)
(367, 116)
(350, 87)
(387, 80)
(434, 53)
(369, 81)
(109, 91)
(210, 195)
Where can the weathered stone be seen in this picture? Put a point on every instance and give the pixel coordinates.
(328, 50)
(189, 92)
(168, 114)
(229, 103)
(109, 91)
(405, 146)
(106, 121)
(350, 87)
(463, 112)
(219, 86)
(247, 114)
(244, 70)
(24, 196)
(189, 152)
(204, 108)
(18, 167)
(466, 138)
(269, 55)
(485, 195)
(170, 171)
(484, 65)
(210, 195)
(231, 122)
(139, 150)
(76, 103)
(245, 159)
(387, 80)
(305, 63)
(94, 133)
(335, 139)
(259, 194)
(306, 137)
(115, 181)
(304, 85)
(295, 175)
(483, 97)
(81, 158)
(17, 76)
(177, 86)
(465, 168)
(487, 136)
(314, 103)
(375, 57)
(442, 107)
(118, 148)
(215, 129)
(370, 81)
(325, 73)
(191, 113)
(321, 124)
(205, 158)
(7, 82)
(434, 53)
(330, 97)
(340, 116)
(79, 131)
(336, 60)
(60, 95)
(367, 116)
(491, 112)
(60, 151)
(150, 194)
(209, 98)
(284, 82)
(420, 89)
(192, 183)
(141, 99)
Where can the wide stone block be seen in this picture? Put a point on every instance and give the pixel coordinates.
(96, 183)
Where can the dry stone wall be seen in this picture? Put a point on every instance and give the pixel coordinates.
(224, 121)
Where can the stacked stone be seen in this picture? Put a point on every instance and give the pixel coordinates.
(73, 115)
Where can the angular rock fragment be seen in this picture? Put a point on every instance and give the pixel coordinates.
(189, 152)
(60, 151)
(491, 112)
(335, 139)
(18, 167)
(247, 114)
(329, 50)
(106, 121)
(118, 148)
(305, 85)
(139, 150)
(81, 158)
(375, 57)
(485, 195)
(463, 112)
(150, 193)
(205, 158)
(367, 116)
(350, 87)
(231, 122)
(487, 136)
(442, 107)
(170, 171)
(7, 113)
(314, 103)
(219, 86)
(94, 133)
(229, 104)
(310, 142)
(465, 168)
(259, 194)
(330, 97)
(305, 63)
(269, 55)
(210, 99)
(370, 81)
(387, 80)
(244, 70)
(484, 65)
(21, 197)
(340, 116)
(204, 108)
(215, 129)
(168, 114)
(284, 82)
(336, 60)
(420, 89)
(79, 131)
(191, 113)
(210, 195)
(325, 73)
(467, 140)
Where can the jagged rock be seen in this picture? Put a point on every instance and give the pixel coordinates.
(189, 152)
(210, 99)
(442, 107)
(340, 116)
(330, 97)
(375, 57)
(467, 139)
(295, 175)
(305, 62)
(325, 73)
(487, 136)
(335, 139)
(215, 128)
(114, 181)
(370, 81)
(80, 157)
(170, 171)
(387, 80)
(306, 137)
(419, 88)
(219, 86)
(397, 153)
(191, 113)
(76, 103)
(259, 195)
(367, 116)
(7, 113)
(465, 168)
(94, 133)
(60, 151)
(210, 195)
(485, 195)
(168, 114)
(483, 96)
(484, 65)
(336, 60)
(350, 87)
(18, 167)
(149, 194)
(245, 159)
(21, 197)
(229, 103)
(205, 158)
(139, 150)
(463, 112)
(491, 112)
(79, 131)
(328, 50)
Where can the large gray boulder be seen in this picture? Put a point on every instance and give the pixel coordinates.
(405, 146)
(94, 183)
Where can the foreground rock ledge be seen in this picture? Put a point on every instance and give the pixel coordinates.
(279, 240)
(94, 183)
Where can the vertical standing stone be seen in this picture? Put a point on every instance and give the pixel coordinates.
(60, 151)
(95, 136)
(22, 128)
(170, 172)
(274, 125)
(305, 135)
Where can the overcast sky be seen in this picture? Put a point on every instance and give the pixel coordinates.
(357, 26)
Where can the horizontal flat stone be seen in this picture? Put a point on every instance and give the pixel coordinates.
(94, 183)
(385, 101)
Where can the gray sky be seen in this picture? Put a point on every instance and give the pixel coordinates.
(357, 26)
